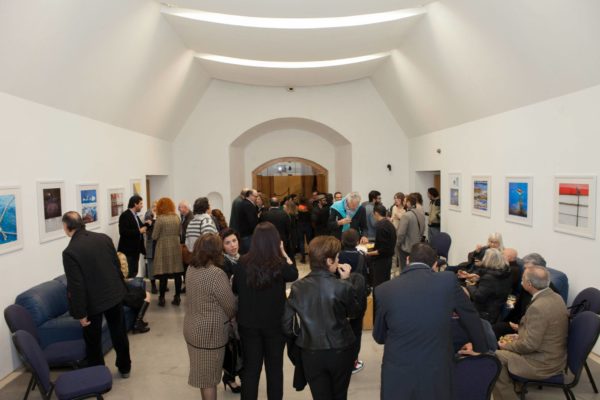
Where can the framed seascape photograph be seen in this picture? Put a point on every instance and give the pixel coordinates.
(519, 200)
(575, 205)
(454, 191)
(115, 204)
(11, 219)
(87, 204)
(482, 189)
(136, 187)
(51, 205)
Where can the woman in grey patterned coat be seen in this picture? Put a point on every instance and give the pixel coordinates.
(209, 306)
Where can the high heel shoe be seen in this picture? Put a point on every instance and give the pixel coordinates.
(234, 389)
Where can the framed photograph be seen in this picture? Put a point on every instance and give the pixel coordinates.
(519, 200)
(136, 187)
(51, 206)
(575, 205)
(87, 204)
(11, 219)
(115, 204)
(482, 191)
(454, 191)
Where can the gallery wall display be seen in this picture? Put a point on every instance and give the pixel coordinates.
(87, 204)
(115, 204)
(575, 205)
(11, 219)
(518, 200)
(51, 205)
(454, 192)
(482, 191)
(136, 186)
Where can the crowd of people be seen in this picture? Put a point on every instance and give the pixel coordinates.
(245, 303)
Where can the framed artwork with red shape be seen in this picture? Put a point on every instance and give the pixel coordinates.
(575, 205)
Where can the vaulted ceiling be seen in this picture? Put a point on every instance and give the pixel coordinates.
(144, 65)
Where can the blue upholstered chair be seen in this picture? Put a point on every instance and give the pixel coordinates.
(79, 384)
(560, 280)
(474, 377)
(583, 333)
(441, 242)
(587, 300)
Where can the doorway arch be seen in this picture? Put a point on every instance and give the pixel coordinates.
(286, 175)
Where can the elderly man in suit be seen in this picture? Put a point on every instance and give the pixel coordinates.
(95, 288)
(131, 231)
(539, 350)
(414, 322)
(281, 220)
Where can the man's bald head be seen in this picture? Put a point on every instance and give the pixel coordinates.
(510, 255)
(183, 207)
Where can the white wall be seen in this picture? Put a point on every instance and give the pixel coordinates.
(558, 136)
(289, 143)
(41, 143)
(226, 111)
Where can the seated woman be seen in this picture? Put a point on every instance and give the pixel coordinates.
(136, 298)
(475, 257)
(323, 304)
(492, 285)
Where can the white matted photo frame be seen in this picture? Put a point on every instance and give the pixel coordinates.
(135, 187)
(11, 219)
(575, 205)
(88, 204)
(115, 199)
(481, 190)
(51, 206)
(454, 191)
(518, 200)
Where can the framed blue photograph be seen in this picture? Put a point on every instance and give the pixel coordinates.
(11, 219)
(519, 200)
(87, 205)
(482, 189)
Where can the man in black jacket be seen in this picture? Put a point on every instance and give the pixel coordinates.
(95, 288)
(385, 244)
(247, 219)
(281, 220)
(413, 320)
(131, 231)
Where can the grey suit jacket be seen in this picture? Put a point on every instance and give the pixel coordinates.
(411, 229)
(542, 341)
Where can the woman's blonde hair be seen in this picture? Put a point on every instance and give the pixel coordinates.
(124, 265)
(496, 237)
(493, 259)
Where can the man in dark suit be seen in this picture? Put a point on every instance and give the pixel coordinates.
(247, 219)
(131, 231)
(95, 288)
(413, 321)
(281, 220)
(234, 218)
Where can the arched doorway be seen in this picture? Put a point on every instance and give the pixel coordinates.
(286, 175)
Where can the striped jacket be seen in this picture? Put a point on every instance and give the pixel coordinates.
(200, 225)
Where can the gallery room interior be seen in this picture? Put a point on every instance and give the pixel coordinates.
(101, 99)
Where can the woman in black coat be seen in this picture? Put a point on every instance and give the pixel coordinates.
(259, 282)
(493, 285)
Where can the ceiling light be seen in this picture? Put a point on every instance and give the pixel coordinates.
(290, 64)
(291, 23)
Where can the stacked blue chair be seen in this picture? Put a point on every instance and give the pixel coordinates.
(587, 300)
(474, 377)
(57, 354)
(583, 333)
(560, 280)
(74, 385)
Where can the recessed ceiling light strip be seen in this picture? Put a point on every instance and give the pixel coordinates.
(291, 23)
(290, 64)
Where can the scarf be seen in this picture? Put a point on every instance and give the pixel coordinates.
(340, 207)
(233, 259)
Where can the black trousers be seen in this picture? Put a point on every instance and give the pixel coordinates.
(163, 279)
(92, 335)
(357, 327)
(245, 244)
(328, 372)
(381, 269)
(260, 345)
(133, 262)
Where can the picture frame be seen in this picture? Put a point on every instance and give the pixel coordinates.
(454, 191)
(88, 204)
(11, 219)
(116, 205)
(518, 200)
(51, 206)
(575, 205)
(135, 187)
(481, 190)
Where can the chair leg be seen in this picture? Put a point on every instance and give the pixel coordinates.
(591, 378)
(30, 387)
(523, 392)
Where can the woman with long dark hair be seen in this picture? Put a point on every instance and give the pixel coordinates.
(259, 282)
